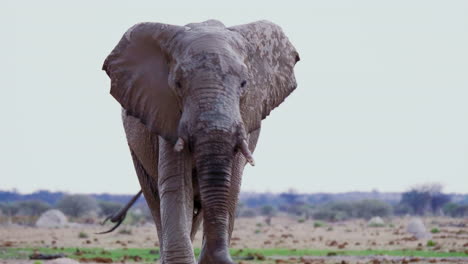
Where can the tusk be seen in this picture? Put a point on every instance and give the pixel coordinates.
(246, 152)
(179, 145)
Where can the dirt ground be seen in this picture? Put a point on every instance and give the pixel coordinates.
(255, 233)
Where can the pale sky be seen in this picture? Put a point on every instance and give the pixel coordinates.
(381, 103)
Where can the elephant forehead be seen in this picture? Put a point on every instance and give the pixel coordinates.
(211, 51)
(208, 23)
(207, 39)
(211, 41)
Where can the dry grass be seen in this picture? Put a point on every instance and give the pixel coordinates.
(283, 233)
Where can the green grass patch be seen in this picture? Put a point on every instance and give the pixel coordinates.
(149, 255)
(312, 252)
(83, 235)
(77, 253)
(318, 224)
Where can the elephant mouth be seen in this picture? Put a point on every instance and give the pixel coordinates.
(241, 145)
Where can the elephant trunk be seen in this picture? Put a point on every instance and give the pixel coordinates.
(214, 155)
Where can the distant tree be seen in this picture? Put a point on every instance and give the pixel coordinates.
(346, 208)
(456, 210)
(464, 200)
(9, 209)
(77, 205)
(45, 196)
(425, 198)
(268, 211)
(247, 212)
(31, 208)
(438, 200)
(108, 208)
(290, 197)
(450, 209)
(417, 200)
(326, 214)
(402, 209)
(146, 212)
(370, 208)
(462, 210)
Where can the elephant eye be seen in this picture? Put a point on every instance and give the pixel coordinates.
(243, 83)
(178, 84)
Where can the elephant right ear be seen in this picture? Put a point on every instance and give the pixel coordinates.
(138, 68)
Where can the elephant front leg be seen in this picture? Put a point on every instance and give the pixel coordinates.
(150, 191)
(176, 196)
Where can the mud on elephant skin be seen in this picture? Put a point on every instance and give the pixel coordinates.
(193, 99)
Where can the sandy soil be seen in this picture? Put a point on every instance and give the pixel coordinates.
(255, 233)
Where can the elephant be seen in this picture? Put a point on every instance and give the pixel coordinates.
(193, 98)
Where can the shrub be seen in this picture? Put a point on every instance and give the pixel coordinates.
(431, 243)
(82, 235)
(326, 214)
(268, 210)
(247, 213)
(435, 230)
(402, 209)
(318, 224)
(146, 212)
(9, 209)
(345, 208)
(108, 208)
(371, 208)
(301, 220)
(376, 222)
(77, 205)
(135, 217)
(125, 231)
(31, 208)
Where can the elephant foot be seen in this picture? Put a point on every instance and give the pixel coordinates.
(215, 257)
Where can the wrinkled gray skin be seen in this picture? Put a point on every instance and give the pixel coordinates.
(206, 87)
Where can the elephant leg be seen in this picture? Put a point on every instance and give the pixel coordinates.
(176, 195)
(149, 186)
(144, 148)
(196, 222)
(197, 210)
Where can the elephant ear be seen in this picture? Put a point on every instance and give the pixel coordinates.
(138, 68)
(270, 62)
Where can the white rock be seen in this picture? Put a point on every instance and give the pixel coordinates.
(417, 228)
(52, 218)
(376, 221)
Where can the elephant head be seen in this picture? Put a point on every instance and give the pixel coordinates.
(204, 87)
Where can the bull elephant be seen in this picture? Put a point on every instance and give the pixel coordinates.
(193, 98)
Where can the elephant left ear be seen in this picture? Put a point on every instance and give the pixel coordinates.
(270, 62)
